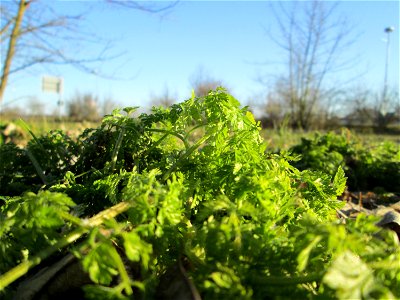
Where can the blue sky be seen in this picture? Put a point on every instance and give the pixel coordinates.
(227, 39)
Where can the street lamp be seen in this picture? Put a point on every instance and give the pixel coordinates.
(388, 30)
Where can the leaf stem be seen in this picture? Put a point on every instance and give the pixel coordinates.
(37, 166)
(187, 153)
(282, 280)
(21, 269)
(171, 133)
(114, 155)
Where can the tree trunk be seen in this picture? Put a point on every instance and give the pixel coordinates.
(23, 5)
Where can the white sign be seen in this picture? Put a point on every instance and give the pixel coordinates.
(52, 84)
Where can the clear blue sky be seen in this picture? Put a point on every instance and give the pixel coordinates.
(226, 38)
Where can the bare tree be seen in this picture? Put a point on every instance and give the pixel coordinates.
(11, 112)
(33, 33)
(107, 106)
(313, 41)
(275, 115)
(166, 99)
(366, 109)
(202, 83)
(386, 109)
(83, 107)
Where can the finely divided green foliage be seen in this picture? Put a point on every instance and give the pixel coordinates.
(30, 223)
(367, 166)
(192, 186)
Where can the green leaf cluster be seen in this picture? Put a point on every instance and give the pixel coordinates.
(188, 196)
(30, 223)
(367, 166)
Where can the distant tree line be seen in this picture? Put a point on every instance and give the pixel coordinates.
(308, 93)
(358, 109)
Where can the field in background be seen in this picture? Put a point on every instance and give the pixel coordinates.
(284, 139)
(42, 125)
(17, 130)
(275, 139)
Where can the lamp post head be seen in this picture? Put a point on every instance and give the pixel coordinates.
(389, 29)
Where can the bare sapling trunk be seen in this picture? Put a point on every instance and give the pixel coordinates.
(23, 5)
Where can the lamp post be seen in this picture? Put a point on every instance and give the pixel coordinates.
(388, 30)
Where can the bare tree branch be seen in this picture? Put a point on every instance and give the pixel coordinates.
(152, 8)
(202, 83)
(35, 34)
(312, 40)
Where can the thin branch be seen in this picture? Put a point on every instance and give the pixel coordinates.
(5, 27)
(154, 8)
(42, 35)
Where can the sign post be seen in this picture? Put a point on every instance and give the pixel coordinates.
(51, 84)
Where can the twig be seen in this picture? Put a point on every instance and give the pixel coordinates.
(341, 213)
